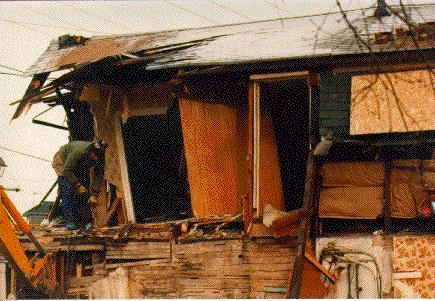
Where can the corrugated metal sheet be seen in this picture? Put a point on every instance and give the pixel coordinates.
(261, 41)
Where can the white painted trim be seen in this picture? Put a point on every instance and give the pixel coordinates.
(256, 150)
(128, 201)
(257, 79)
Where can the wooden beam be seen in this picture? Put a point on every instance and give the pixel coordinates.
(320, 267)
(248, 200)
(388, 226)
(295, 284)
(112, 210)
(128, 201)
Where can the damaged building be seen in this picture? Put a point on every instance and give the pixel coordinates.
(258, 160)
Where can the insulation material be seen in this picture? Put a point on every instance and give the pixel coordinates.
(375, 100)
(410, 182)
(351, 202)
(413, 254)
(352, 174)
(105, 101)
(409, 190)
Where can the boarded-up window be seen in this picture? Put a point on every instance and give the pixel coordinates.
(393, 102)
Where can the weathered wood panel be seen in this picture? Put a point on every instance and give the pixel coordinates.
(334, 106)
(210, 142)
(271, 191)
(230, 269)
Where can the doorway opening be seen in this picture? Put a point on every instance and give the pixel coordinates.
(157, 167)
(280, 130)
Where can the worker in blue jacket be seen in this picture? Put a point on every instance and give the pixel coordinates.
(73, 164)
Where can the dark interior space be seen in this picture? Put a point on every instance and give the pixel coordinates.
(156, 167)
(288, 104)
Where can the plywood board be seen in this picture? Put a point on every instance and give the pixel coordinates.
(211, 143)
(271, 191)
(392, 102)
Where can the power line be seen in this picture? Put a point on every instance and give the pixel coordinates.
(24, 154)
(32, 29)
(231, 10)
(191, 12)
(59, 20)
(42, 25)
(10, 68)
(13, 74)
(99, 17)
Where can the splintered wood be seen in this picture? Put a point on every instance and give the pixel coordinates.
(224, 269)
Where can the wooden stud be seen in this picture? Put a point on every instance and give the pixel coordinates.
(388, 226)
(295, 284)
(128, 201)
(112, 210)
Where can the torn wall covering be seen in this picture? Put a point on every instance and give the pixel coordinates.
(105, 101)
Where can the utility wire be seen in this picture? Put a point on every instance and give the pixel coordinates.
(59, 20)
(10, 68)
(192, 12)
(274, 5)
(43, 25)
(32, 29)
(99, 17)
(13, 74)
(24, 154)
(231, 10)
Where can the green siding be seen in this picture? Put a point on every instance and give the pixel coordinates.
(334, 106)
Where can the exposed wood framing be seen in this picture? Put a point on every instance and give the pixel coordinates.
(128, 201)
(388, 226)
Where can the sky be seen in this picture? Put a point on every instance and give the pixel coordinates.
(26, 29)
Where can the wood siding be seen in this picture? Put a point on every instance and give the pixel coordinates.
(334, 107)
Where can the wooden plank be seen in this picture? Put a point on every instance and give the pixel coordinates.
(248, 200)
(128, 201)
(112, 210)
(296, 279)
(407, 275)
(386, 204)
(270, 184)
(210, 143)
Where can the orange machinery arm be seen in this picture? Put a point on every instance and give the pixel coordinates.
(40, 270)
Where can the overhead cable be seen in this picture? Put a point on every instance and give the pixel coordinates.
(231, 10)
(13, 74)
(10, 68)
(24, 154)
(192, 12)
(98, 17)
(60, 20)
(43, 25)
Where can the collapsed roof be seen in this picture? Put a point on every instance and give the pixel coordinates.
(352, 32)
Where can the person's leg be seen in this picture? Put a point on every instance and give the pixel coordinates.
(68, 201)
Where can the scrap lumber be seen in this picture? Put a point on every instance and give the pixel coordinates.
(296, 278)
